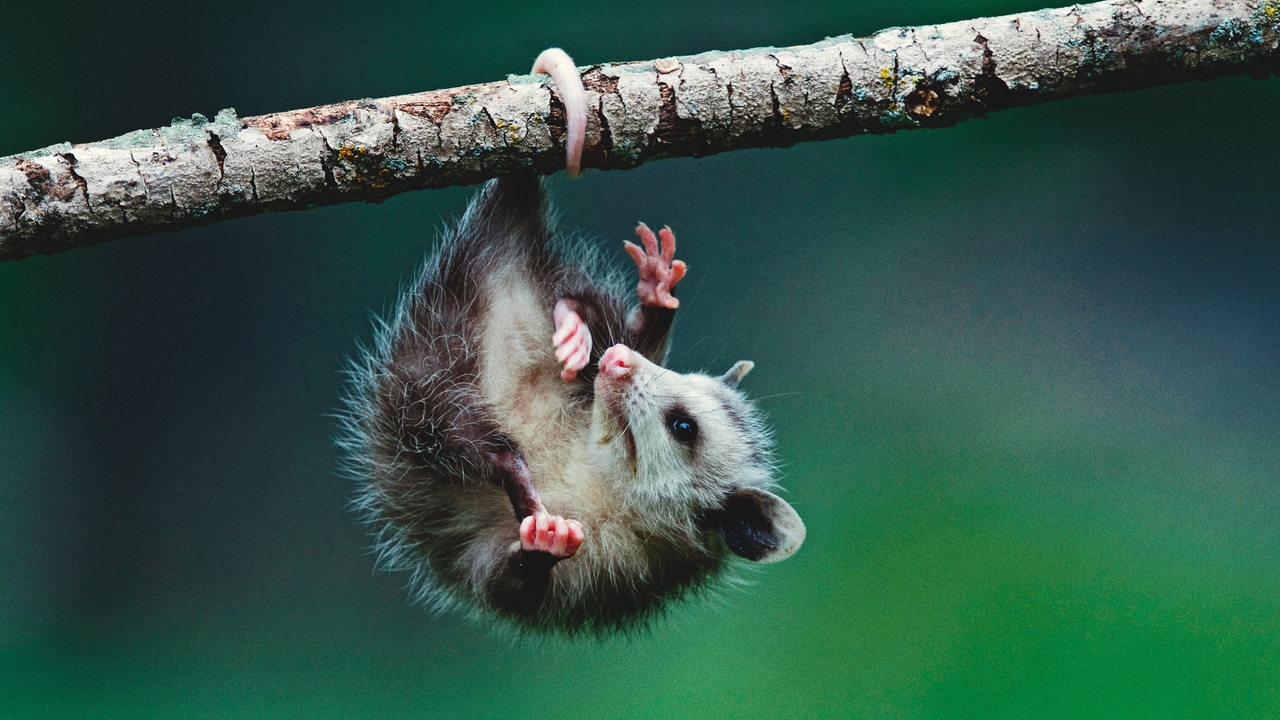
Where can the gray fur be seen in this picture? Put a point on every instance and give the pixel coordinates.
(463, 372)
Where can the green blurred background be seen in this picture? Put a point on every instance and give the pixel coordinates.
(1024, 373)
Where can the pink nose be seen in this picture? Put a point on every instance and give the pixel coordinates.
(617, 362)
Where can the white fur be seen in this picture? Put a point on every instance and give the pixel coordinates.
(647, 534)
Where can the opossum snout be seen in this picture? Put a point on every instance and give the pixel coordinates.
(618, 364)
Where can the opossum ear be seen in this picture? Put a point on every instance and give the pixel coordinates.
(760, 526)
(736, 373)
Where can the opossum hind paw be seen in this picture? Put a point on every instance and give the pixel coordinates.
(659, 272)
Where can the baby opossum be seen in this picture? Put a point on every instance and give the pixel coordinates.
(487, 391)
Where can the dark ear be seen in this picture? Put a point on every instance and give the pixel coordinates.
(736, 373)
(760, 526)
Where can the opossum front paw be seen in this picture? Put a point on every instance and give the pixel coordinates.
(659, 273)
(551, 534)
(572, 340)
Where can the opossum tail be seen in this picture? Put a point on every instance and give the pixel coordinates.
(506, 220)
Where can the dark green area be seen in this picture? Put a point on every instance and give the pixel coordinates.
(1024, 373)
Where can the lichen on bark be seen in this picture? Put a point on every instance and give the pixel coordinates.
(195, 171)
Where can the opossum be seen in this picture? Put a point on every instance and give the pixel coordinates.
(487, 391)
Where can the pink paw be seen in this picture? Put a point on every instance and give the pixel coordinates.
(550, 534)
(572, 340)
(658, 272)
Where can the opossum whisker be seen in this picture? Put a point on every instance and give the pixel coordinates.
(458, 414)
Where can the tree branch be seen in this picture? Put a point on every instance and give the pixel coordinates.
(199, 171)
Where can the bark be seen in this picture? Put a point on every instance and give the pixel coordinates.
(199, 171)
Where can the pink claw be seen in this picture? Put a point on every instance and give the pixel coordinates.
(551, 534)
(659, 273)
(572, 340)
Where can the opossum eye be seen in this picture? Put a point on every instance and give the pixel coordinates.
(682, 427)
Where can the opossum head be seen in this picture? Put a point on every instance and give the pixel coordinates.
(692, 452)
